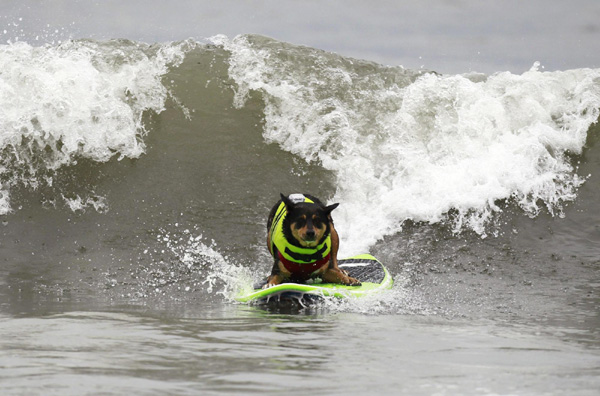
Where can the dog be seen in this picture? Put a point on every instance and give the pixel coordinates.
(303, 242)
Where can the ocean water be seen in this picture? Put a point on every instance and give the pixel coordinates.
(137, 172)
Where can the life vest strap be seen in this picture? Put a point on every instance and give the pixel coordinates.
(306, 257)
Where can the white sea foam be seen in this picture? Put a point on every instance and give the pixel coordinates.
(78, 99)
(80, 204)
(418, 149)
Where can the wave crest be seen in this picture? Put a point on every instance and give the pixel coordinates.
(407, 145)
(80, 99)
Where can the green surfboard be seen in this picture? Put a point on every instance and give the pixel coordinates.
(374, 278)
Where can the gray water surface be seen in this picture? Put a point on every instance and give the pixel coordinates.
(95, 303)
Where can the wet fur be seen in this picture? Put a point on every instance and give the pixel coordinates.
(300, 220)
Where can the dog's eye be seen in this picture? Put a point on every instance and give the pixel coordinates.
(301, 222)
(317, 221)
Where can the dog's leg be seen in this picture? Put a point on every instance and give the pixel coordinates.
(334, 274)
(278, 274)
(335, 246)
(273, 280)
(339, 276)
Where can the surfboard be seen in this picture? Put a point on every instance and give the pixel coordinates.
(374, 278)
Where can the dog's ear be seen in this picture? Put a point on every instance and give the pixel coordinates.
(329, 209)
(288, 204)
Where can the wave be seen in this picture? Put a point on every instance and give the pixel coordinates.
(402, 145)
(80, 99)
(406, 145)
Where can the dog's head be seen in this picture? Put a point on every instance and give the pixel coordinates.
(308, 222)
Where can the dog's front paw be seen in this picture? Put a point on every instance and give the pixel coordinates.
(272, 280)
(340, 276)
(353, 282)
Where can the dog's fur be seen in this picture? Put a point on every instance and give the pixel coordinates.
(307, 225)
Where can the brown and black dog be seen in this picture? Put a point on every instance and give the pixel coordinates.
(303, 242)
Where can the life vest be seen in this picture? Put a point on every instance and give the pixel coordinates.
(298, 260)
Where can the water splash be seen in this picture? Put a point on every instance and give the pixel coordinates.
(218, 274)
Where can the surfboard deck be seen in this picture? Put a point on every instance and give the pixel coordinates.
(366, 268)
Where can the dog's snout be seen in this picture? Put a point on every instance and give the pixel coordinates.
(310, 234)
